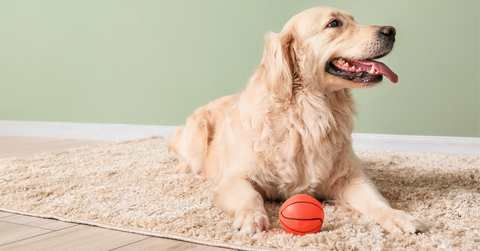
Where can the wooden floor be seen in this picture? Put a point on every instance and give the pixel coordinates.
(19, 232)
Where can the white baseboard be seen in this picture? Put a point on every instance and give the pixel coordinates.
(120, 132)
(113, 132)
(410, 143)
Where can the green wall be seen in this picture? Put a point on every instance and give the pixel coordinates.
(154, 62)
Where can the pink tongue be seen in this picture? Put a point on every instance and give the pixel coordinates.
(380, 67)
(383, 69)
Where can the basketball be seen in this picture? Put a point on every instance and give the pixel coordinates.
(301, 214)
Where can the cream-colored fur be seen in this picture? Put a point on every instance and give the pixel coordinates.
(289, 132)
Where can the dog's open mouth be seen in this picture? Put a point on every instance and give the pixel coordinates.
(362, 71)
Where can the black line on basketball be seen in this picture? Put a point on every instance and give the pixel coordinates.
(285, 225)
(312, 219)
(297, 202)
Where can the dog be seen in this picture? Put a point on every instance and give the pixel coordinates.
(289, 131)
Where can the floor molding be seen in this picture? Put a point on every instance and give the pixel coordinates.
(121, 132)
(114, 132)
(410, 143)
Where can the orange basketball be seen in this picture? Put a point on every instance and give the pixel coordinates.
(301, 214)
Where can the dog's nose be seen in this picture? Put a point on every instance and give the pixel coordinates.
(388, 32)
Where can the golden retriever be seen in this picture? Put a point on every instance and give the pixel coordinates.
(289, 131)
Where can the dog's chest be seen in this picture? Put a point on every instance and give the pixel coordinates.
(297, 149)
(297, 165)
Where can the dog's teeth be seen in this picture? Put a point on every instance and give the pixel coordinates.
(346, 64)
(372, 70)
(376, 72)
(360, 69)
(353, 67)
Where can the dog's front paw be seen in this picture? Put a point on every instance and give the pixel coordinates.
(397, 221)
(251, 221)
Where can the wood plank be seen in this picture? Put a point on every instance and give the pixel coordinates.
(15, 146)
(49, 224)
(16, 140)
(4, 215)
(81, 237)
(154, 243)
(10, 233)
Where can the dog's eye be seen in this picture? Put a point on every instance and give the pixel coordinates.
(334, 23)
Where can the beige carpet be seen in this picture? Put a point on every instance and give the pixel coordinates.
(130, 186)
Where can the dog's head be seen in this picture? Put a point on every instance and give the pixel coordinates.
(325, 47)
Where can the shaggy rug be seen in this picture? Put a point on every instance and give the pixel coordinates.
(130, 186)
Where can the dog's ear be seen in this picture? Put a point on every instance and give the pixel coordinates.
(278, 66)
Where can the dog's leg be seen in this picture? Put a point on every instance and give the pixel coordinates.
(362, 195)
(237, 197)
(176, 145)
(190, 143)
